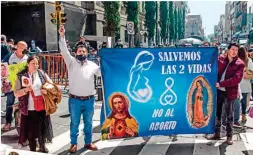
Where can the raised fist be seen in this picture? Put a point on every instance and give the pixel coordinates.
(61, 31)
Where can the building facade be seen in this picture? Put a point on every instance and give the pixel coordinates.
(31, 21)
(193, 26)
(227, 28)
(249, 16)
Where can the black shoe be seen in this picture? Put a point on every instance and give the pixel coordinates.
(43, 149)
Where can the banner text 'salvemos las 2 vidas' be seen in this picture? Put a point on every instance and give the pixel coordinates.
(159, 91)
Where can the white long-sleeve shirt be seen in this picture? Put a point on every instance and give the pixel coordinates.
(81, 77)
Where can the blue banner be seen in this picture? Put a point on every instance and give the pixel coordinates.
(158, 91)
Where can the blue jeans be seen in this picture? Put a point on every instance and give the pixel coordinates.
(76, 109)
(102, 115)
(244, 102)
(237, 111)
(10, 101)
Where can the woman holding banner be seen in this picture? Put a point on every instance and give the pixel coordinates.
(34, 121)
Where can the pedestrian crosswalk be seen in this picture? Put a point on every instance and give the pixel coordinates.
(154, 145)
(174, 145)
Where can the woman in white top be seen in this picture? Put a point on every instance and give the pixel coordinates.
(34, 121)
(245, 84)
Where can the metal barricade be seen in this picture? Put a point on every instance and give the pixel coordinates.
(55, 67)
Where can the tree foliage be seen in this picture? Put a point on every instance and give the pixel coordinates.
(112, 17)
(176, 24)
(150, 8)
(179, 21)
(183, 22)
(171, 21)
(164, 20)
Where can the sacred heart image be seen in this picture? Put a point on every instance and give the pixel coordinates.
(199, 103)
(25, 81)
(120, 123)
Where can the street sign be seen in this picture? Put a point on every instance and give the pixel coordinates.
(130, 27)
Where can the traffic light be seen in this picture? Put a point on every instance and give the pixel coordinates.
(53, 18)
(62, 18)
(58, 6)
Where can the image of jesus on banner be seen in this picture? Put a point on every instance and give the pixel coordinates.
(119, 124)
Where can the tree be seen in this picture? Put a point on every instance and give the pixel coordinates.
(112, 17)
(171, 22)
(164, 20)
(180, 25)
(132, 10)
(150, 8)
(183, 21)
(175, 25)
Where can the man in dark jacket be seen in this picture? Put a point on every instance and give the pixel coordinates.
(230, 73)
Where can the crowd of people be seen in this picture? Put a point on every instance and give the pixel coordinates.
(234, 90)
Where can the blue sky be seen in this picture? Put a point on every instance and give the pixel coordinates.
(210, 12)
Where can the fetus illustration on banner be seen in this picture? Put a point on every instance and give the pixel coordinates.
(200, 103)
(168, 96)
(138, 87)
(119, 124)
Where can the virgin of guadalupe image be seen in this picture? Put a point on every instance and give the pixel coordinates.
(138, 87)
(199, 103)
(119, 124)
